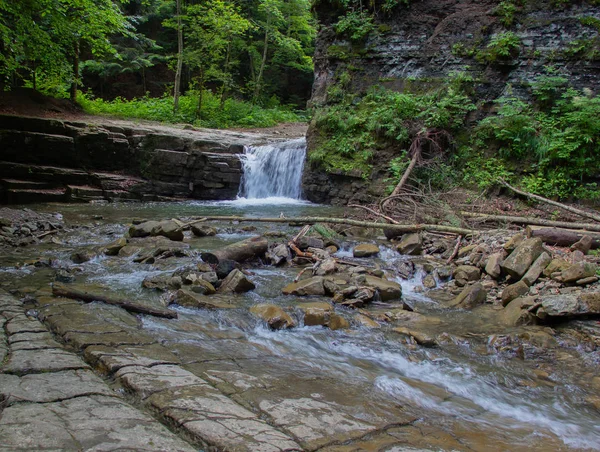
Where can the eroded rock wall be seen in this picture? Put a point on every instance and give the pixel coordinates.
(52, 160)
(418, 46)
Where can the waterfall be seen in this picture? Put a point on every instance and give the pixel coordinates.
(273, 170)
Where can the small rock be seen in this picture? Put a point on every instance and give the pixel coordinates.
(387, 290)
(316, 313)
(236, 282)
(193, 300)
(326, 267)
(411, 244)
(367, 322)
(466, 250)
(310, 242)
(536, 269)
(169, 229)
(225, 267)
(64, 276)
(420, 338)
(203, 287)
(80, 257)
(557, 265)
(113, 248)
(470, 297)
(464, 274)
(365, 250)
(515, 313)
(587, 281)
(444, 273)
(275, 316)
(203, 230)
(279, 255)
(306, 287)
(492, 266)
(514, 291)
(513, 242)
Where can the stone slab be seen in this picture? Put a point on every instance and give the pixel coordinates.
(26, 337)
(24, 362)
(110, 359)
(145, 381)
(83, 340)
(53, 386)
(218, 421)
(19, 325)
(96, 423)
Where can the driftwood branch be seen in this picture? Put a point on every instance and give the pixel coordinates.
(530, 221)
(455, 251)
(571, 209)
(60, 290)
(239, 251)
(562, 237)
(348, 222)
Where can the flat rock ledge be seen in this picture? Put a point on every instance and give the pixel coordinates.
(55, 401)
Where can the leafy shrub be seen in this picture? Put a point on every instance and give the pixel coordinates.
(233, 113)
(355, 25)
(502, 47)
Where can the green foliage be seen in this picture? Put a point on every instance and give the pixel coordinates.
(502, 47)
(233, 113)
(355, 25)
(484, 172)
(590, 21)
(506, 11)
(461, 50)
(558, 139)
(583, 49)
(353, 129)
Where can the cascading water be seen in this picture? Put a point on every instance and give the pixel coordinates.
(273, 171)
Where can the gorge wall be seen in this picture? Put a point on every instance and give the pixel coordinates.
(418, 45)
(51, 160)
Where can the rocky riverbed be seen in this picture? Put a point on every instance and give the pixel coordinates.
(344, 340)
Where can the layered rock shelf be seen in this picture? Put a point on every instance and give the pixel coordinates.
(47, 160)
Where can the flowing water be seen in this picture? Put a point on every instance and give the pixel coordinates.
(461, 395)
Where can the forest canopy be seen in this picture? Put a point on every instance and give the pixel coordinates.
(256, 50)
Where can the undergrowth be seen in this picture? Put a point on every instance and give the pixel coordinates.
(233, 112)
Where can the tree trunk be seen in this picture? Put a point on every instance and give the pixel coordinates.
(344, 221)
(239, 251)
(574, 210)
(562, 237)
(258, 87)
(179, 59)
(60, 290)
(200, 95)
(529, 220)
(75, 83)
(226, 70)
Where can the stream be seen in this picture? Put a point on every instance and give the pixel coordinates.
(385, 393)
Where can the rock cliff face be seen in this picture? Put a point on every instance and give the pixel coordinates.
(418, 46)
(51, 160)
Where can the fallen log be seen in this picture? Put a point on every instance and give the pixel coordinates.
(60, 290)
(571, 209)
(365, 224)
(562, 237)
(239, 251)
(530, 220)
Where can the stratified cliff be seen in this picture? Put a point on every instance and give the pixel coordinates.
(417, 46)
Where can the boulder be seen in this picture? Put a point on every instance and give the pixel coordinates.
(168, 229)
(516, 312)
(279, 255)
(203, 230)
(225, 267)
(464, 274)
(365, 250)
(536, 269)
(143, 229)
(578, 271)
(410, 244)
(306, 287)
(519, 261)
(470, 297)
(326, 267)
(236, 282)
(514, 291)
(337, 322)
(113, 248)
(316, 313)
(310, 242)
(493, 265)
(429, 282)
(388, 290)
(556, 265)
(275, 316)
(567, 305)
(584, 244)
(190, 299)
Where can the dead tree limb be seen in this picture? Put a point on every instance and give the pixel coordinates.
(571, 209)
(239, 251)
(348, 222)
(60, 290)
(530, 220)
(562, 237)
(390, 219)
(455, 252)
